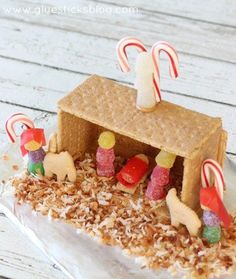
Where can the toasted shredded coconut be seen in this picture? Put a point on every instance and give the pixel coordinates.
(139, 226)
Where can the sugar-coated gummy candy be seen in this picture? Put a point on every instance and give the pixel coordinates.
(160, 176)
(104, 160)
(210, 219)
(155, 192)
(106, 140)
(165, 159)
(212, 234)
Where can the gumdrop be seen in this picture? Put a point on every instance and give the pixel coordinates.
(106, 140)
(165, 159)
(160, 176)
(212, 234)
(210, 219)
(155, 192)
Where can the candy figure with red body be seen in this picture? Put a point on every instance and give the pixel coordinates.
(160, 176)
(31, 141)
(211, 199)
(105, 155)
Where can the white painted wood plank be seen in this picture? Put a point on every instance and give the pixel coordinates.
(46, 99)
(188, 36)
(42, 119)
(19, 258)
(232, 157)
(199, 77)
(219, 12)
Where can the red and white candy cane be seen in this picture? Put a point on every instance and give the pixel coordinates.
(17, 118)
(173, 62)
(121, 51)
(209, 166)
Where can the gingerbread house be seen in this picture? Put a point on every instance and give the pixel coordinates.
(101, 104)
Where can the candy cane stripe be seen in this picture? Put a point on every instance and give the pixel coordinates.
(173, 66)
(174, 60)
(17, 118)
(211, 165)
(121, 51)
(173, 57)
(156, 49)
(156, 89)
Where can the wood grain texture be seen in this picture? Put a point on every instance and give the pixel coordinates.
(40, 118)
(220, 12)
(19, 258)
(199, 77)
(194, 37)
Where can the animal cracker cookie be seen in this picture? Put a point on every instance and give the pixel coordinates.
(52, 144)
(61, 164)
(182, 214)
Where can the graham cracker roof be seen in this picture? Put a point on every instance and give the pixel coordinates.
(111, 105)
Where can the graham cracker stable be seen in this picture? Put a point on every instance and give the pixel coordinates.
(101, 104)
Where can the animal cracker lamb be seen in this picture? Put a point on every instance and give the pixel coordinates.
(182, 214)
(61, 164)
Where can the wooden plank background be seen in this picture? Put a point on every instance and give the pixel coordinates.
(43, 55)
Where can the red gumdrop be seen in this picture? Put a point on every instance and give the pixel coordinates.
(160, 176)
(155, 192)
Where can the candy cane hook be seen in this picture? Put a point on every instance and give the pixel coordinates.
(173, 62)
(17, 118)
(121, 51)
(208, 166)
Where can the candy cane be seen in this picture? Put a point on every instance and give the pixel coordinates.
(174, 64)
(17, 118)
(121, 51)
(211, 165)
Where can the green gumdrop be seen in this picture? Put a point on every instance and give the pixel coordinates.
(212, 234)
(36, 168)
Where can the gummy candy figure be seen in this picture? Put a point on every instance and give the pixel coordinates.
(105, 155)
(160, 176)
(214, 213)
(32, 141)
(212, 229)
(212, 234)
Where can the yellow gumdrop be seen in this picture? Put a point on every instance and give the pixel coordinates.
(106, 140)
(32, 145)
(165, 159)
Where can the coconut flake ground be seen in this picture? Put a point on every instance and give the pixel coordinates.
(140, 227)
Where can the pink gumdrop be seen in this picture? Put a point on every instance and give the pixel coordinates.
(155, 192)
(160, 176)
(105, 170)
(105, 156)
(105, 159)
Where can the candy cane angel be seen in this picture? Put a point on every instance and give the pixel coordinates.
(211, 199)
(31, 141)
(147, 69)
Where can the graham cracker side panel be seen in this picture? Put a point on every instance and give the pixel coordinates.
(222, 148)
(74, 134)
(192, 170)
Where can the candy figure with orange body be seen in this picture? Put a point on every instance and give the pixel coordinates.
(31, 141)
